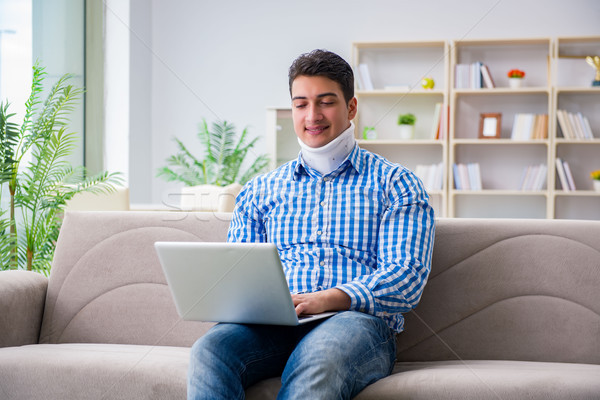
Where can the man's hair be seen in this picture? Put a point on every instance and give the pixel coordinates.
(327, 64)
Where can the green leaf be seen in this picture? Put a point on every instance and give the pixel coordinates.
(224, 157)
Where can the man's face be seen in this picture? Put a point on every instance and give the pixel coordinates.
(319, 111)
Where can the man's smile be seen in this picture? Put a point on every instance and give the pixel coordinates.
(315, 130)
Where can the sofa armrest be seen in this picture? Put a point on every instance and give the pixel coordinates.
(22, 299)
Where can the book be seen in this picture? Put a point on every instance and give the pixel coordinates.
(569, 176)
(487, 77)
(534, 177)
(472, 76)
(543, 134)
(462, 76)
(474, 176)
(562, 122)
(574, 126)
(588, 128)
(529, 126)
(467, 176)
(456, 174)
(574, 122)
(444, 122)
(562, 176)
(432, 175)
(437, 117)
(364, 80)
(475, 75)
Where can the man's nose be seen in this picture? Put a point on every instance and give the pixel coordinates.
(314, 113)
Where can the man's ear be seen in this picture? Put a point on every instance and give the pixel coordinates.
(352, 108)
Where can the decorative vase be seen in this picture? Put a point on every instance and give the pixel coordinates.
(514, 83)
(596, 185)
(406, 131)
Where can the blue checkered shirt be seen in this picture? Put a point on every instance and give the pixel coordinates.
(366, 228)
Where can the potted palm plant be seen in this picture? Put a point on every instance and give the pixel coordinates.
(39, 179)
(213, 182)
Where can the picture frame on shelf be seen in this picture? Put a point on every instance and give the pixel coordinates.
(489, 125)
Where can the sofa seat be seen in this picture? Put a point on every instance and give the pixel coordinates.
(93, 371)
(476, 380)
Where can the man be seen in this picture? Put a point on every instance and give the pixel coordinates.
(354, 233)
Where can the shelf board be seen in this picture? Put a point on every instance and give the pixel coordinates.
(396, 45)
(501, 42)
(500, 141)
(410, 142)
(407, 92)
(578, 89)
(499, 192)
(577, 193)
(503, 90)
(576, 141)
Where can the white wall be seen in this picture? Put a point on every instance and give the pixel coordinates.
(229, 59)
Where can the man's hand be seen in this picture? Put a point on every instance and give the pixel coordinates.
(318, 302)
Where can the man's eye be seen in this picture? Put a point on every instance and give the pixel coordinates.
(326, 103)
(300, 105)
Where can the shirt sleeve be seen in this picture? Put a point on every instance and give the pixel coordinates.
(246, 224)
(404, 249)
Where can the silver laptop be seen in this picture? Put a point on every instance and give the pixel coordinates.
(229, 282)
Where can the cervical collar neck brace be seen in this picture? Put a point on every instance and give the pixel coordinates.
(328, 158)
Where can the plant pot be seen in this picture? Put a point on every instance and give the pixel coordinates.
(515, 83)
(406, 131)
(209, 197)
(597, 185)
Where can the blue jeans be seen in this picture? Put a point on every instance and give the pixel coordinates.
(331, 359)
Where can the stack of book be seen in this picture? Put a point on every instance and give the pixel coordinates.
(574, 126)
(431, 175)
(467, 176)
(473, 76)
(534, 177)
(530, 126)
(565, 176)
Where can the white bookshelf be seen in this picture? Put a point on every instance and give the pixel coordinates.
(396, 70)
(502, 160)
(573, 92)
(557, 77)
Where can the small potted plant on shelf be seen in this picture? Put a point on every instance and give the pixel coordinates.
(515, 77)
(595, 175)
(407, 125)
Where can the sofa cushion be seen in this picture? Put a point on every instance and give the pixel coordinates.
(476, 380)
(522, 290)
(472, 380)
(93, 371)
(106, 283)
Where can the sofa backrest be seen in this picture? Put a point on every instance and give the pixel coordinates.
(106, 284)
(509, 290)
(498, 289)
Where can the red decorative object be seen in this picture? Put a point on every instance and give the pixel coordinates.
(516, 73)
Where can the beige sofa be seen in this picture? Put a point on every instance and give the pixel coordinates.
(511, 311)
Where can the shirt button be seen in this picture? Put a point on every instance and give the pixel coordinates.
(322, 203)
(319, 232)
(322, 263)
